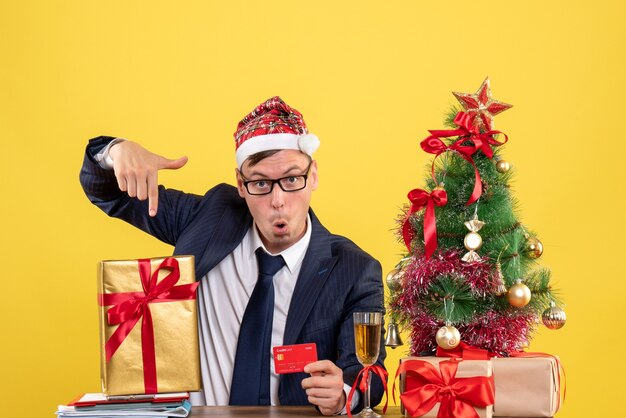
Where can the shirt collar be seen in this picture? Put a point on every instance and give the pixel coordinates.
(293, 255)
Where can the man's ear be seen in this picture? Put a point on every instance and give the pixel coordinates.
(313, 175)
(240, 186)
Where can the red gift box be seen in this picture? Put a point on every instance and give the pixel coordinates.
(440, 387)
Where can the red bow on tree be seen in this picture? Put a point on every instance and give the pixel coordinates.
(482, 141)
(419, 199)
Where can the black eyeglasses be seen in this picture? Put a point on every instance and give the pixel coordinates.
(287, 184)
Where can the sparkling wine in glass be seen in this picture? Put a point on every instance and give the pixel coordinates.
(367, 327)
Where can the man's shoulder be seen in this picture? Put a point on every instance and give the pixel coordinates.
(223, 189)
(224, 193)
(340, 246)
(219, 199)
(352, 263)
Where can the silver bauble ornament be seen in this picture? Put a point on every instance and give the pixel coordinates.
(394, 279)
(553, 317)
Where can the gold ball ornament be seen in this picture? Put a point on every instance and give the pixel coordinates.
(553, 317)
(448, 337)
(502, 166)
(534, 247)
(393, 279)
(518, 294)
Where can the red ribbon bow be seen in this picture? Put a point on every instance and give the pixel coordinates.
(466, 352)
(419, 199)
(482, 141)
(129, 307)
(457, 396)
(362, 380)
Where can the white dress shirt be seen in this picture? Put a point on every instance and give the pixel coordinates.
(222, 298)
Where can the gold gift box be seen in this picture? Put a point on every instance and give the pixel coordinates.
(467, 368)
(175, 328)
(526, 387)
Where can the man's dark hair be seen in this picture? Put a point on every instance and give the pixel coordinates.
(254, 159)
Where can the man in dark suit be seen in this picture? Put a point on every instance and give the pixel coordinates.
(318, 282)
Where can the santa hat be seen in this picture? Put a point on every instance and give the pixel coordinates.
(273, 125)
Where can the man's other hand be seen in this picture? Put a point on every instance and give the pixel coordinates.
(325, 386)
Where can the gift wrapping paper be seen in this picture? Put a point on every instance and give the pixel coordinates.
(526, 387)
(136, 307)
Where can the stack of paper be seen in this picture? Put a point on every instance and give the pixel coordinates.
(98, 405)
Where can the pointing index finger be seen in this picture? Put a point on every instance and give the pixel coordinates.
(153, 194)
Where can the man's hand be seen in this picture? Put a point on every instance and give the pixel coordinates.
(136, 171)
(325, 386)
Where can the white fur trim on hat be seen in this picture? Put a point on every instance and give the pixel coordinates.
(306, 143)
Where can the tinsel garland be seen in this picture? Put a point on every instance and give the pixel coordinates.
(496, 330)
(419, 272)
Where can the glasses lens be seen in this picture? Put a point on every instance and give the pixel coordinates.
(293, 183)
(259, 187)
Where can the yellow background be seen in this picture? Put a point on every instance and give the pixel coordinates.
(370, 78)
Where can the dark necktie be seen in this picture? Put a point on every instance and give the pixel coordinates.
(251, 375)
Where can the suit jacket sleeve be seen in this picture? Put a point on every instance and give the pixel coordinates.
(175, 210)
(366, 296)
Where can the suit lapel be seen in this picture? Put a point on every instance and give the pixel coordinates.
(228, 234)
(316, 267)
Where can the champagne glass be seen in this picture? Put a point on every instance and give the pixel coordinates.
(367, 327)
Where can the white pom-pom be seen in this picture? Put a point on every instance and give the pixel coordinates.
(308, 143)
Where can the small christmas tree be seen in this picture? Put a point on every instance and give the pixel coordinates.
(471, 270)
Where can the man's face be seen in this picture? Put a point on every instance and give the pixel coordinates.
(279, 216)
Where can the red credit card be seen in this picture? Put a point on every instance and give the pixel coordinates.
(293, 358)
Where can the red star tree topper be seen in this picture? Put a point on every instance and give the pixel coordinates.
(481, 107)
